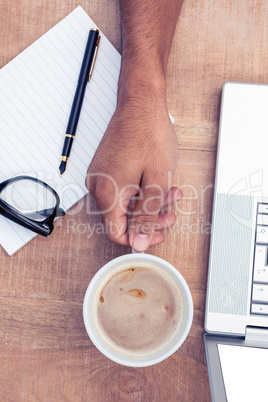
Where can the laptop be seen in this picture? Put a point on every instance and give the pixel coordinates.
(236, 320)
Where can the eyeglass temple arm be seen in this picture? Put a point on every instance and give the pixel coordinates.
(44, 212)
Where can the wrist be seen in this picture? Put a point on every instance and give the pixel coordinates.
(141, 83)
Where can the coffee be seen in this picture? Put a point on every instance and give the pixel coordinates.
(138, 310)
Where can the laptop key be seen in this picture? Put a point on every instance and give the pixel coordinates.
(262, 234)
(260, 264)
(260, 293)
(262, 219)
(259, 309)
(262, 208)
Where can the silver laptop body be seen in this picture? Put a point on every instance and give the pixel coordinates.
(237, 291)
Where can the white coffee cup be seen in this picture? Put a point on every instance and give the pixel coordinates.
(138, 259)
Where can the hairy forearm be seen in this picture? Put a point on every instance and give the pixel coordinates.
(139, 149)
(147, 29)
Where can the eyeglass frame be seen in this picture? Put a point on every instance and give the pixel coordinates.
(45, 227)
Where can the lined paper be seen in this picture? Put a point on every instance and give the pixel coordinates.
(36, 94)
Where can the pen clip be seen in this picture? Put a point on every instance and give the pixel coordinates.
(94, 58)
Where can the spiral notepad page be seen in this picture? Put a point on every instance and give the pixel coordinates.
(36, 94)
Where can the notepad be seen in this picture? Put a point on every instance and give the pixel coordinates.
(36, 94)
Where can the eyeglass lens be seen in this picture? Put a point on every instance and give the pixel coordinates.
(29, 198)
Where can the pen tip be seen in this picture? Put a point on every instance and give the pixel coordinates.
(62, 167)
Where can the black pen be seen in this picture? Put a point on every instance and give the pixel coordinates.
(84, 76)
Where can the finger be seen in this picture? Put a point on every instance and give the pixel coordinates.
(116, 228)
(112, 198)
(174, 194)
(146, 212)
(164, 221)
(115, 221)
(157, 238)
(113, 212)
(131, 205)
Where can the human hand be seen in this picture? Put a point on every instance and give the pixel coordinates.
(131, 173)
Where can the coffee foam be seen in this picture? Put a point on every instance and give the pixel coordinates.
(138, 310)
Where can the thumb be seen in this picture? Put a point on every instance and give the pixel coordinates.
(143, 223)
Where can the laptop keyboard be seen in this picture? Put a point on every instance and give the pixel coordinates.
(259, 298)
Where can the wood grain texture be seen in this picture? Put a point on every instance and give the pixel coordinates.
(45, 353)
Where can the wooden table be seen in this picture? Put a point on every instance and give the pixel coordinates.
(45, 353)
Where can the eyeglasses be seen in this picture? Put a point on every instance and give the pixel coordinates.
(31, 203)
